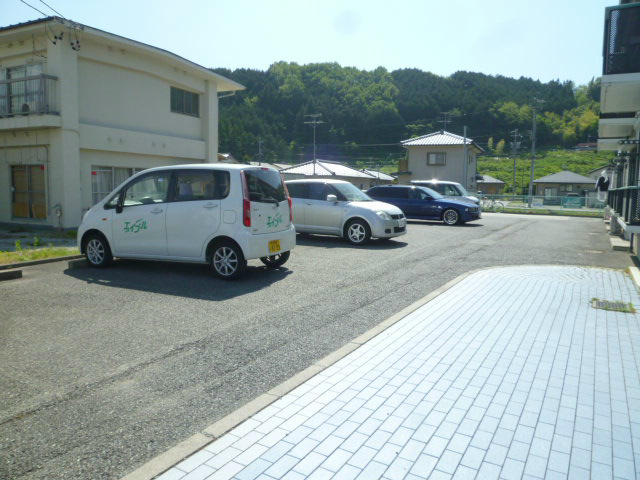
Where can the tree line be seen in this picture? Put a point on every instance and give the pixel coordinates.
(367, 113)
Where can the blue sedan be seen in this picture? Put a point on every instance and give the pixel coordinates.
(424, 203)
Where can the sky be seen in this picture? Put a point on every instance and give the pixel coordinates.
(540, 39)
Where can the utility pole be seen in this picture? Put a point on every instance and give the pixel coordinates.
(446, 119)
(259, 150)
(536, 102)
(314, 123)
(515, 145)
(465, 161)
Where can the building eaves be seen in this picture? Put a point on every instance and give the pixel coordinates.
(223, 84)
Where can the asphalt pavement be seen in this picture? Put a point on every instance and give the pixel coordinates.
(102, 370)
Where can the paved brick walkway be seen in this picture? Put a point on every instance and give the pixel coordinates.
(509, 374)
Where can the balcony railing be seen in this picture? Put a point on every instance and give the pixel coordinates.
(622, 39)
(625, 201)
(28, 96)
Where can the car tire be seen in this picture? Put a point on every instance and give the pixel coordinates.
(227, 261)
(97, 251)
(275, 261)
(357, 232)
(451, 216)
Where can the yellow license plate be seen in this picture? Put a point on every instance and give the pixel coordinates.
(274, 246)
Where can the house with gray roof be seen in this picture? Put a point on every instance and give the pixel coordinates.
(490, 185)
(327, 169)
(562, 183)
(440, 156)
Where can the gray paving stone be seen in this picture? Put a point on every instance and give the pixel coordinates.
(543, 386)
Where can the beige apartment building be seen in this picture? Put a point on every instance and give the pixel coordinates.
(82, 109)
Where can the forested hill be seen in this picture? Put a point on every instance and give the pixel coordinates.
(367, 113)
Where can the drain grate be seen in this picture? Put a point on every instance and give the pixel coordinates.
(612, 306)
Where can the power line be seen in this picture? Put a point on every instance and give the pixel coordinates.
(51, 8)
(31, 6)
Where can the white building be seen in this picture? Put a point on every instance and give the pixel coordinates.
(82, 109)
(619, 125)
(440, 155)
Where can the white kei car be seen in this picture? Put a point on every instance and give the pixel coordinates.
(337, 207)
(219, 214)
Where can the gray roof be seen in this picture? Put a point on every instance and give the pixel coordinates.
(441, 138)
(564, 177)
(325, 168)
(379, 175)
(490, 179)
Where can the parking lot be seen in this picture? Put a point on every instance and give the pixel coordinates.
(102, 370)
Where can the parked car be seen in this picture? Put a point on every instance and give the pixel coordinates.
(448, 189)
(424, 203)
(336, 207)
(223, 215)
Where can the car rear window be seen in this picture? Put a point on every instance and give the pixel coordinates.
(265, 186)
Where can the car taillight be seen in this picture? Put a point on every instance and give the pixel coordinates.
(246, 203)
(246, 212)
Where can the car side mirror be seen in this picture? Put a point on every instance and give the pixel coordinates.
(118, 208)
(332, 198)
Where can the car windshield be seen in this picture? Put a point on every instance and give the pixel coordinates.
(435, 195)
(352, 193)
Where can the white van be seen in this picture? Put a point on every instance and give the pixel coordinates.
(219, 214)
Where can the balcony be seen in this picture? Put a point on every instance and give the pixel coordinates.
(29, 102)
(625, 202)
(621, 64)
(622, 39)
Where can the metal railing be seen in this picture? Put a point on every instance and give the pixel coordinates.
(28, 95)
(625, 201)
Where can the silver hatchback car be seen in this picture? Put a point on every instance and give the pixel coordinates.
(336, 207)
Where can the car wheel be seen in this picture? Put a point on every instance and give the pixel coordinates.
(275, 261)
(450, 216)
(357, 232)
(97, 251)
(227, 261)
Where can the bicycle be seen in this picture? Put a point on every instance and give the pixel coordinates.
(490, 204)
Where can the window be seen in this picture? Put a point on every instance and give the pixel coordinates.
(399, 192)
(19, 95)
(298, 190)
(105, 179)
(265, 185)
(28, 192)
(148, 189)
(194, 185)
(185, 102)
(436, 158)
(318, 191)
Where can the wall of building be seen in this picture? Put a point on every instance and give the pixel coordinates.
(115, 111)
(562, 188)
(452, 171)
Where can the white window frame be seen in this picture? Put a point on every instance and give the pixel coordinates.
(436, 158)
(96, 195)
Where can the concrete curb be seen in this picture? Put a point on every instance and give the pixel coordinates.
(10, 274)
(38, 262)
(634, 273)
(188, 447)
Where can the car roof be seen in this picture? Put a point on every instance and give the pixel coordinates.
(208, 166)
(315, 180)
(444, 182)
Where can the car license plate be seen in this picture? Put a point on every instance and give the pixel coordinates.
(274, 246)
(402, 222)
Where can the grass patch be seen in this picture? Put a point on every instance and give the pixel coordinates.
(559, 213)
(28, 254)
